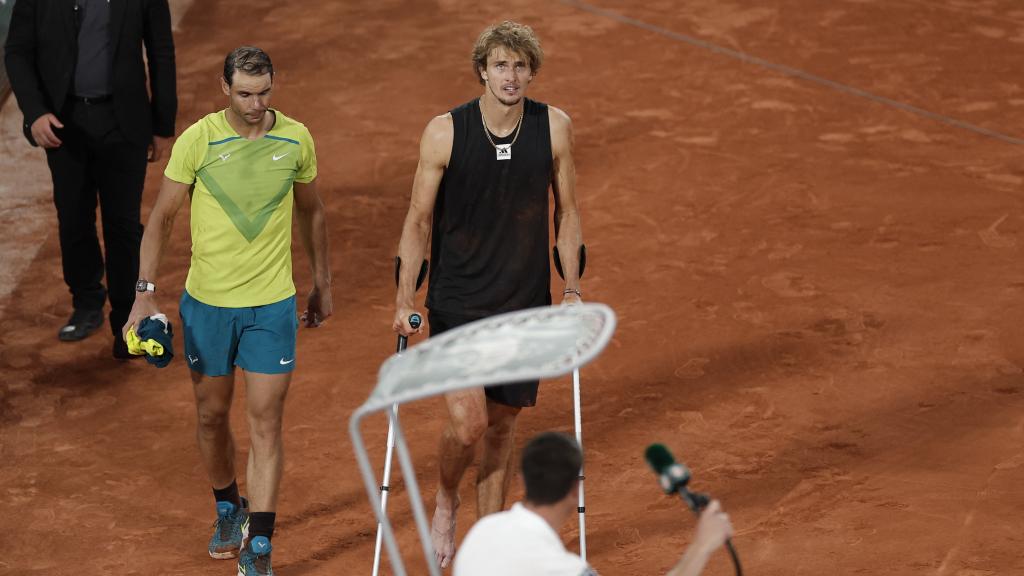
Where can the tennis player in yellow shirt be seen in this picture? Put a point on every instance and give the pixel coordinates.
(243, 169)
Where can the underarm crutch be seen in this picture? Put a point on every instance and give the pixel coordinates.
(415, 320)
(581, 507)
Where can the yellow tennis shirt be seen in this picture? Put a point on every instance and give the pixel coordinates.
(241, 208)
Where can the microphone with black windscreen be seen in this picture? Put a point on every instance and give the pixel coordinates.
(671, 474)
(673, 477)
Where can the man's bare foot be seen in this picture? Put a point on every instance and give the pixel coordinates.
(442, 528)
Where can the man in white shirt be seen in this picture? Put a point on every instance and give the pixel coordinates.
(524, 541)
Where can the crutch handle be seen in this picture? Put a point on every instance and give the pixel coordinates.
(415, 320)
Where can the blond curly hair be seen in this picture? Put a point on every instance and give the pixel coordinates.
(512, 36)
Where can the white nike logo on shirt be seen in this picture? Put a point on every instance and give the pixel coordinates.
(224, 157)
(276, 157)
(286, 362)
(193, 360)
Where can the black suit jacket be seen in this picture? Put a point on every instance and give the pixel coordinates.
(41, 52)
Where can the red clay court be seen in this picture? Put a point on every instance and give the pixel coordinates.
(807, 216)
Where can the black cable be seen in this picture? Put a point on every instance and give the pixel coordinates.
(735, 558)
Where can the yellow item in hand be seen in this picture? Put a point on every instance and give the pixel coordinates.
(139, 347)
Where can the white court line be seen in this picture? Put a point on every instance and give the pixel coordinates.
(25, 202)
(794, 72)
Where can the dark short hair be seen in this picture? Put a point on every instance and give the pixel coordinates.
(551, 467)
(248, 59)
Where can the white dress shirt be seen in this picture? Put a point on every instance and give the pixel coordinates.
(517, 542)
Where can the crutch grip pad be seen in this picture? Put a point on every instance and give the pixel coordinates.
(419, 279)
(558, 261)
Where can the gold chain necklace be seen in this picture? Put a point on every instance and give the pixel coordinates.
(502, 151)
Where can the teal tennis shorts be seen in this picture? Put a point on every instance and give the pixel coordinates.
(256, 339)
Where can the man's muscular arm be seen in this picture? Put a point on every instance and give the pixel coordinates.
(568, 233)
(309, 214)
(158, 232)
(435, 151)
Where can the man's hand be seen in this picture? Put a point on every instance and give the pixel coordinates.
(157, 147)
(713, 528)
(401, 322)
(42, 131)
(144, 307)
(319, 308)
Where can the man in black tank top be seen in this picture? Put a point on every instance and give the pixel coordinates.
(481, 189)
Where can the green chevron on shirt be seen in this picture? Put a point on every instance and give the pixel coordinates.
(250, 220)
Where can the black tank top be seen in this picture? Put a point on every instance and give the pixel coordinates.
(489, 249)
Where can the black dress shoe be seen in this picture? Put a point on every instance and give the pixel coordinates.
(81, 324)
(121, 349)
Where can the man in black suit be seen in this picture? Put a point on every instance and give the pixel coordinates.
(77, 71)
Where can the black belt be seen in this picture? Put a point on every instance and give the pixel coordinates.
(92, 99)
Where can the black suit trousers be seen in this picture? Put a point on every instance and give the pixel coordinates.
(95, 159)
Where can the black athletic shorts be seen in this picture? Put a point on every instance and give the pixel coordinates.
(515, 394)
